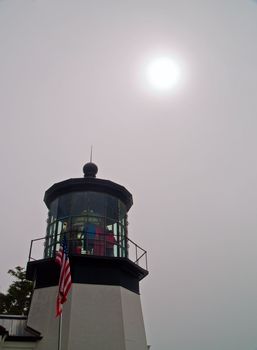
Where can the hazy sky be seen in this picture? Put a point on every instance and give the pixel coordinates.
(72, 75)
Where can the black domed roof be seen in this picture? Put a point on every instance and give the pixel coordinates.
(89, 183)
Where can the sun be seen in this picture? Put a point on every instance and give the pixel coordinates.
(163, 73)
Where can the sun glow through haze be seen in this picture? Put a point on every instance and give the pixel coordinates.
(163, 73)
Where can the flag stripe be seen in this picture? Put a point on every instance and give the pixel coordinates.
(62, 259)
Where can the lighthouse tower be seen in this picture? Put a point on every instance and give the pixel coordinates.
(103, 310)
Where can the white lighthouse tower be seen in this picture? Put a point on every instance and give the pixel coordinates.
(103, 310)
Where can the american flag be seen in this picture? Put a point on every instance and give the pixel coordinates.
(62, 259)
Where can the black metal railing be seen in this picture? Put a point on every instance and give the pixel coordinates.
(98, 245)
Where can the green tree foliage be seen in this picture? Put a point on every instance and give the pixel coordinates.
(17, 299)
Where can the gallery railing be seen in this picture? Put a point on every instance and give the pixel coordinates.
(102, 245)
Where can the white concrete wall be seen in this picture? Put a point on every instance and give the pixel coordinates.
(42, 318)
(95, 317)
(134, 330)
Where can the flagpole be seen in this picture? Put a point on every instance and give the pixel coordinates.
(60, 333)
(62, 259)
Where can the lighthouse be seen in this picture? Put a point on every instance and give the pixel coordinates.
(103, 310)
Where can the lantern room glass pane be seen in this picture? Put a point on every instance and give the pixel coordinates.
(64, 205)
(52, 214)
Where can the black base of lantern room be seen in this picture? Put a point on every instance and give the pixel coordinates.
(88, 270)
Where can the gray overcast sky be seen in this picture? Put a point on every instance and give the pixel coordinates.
(71, 76)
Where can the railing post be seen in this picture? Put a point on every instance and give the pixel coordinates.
(30, 249)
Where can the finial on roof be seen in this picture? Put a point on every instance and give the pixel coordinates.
(90, 170)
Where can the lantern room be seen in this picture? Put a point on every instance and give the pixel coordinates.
(91, 212)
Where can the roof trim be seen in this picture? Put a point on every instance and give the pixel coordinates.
(88, 184)
(25, 338)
